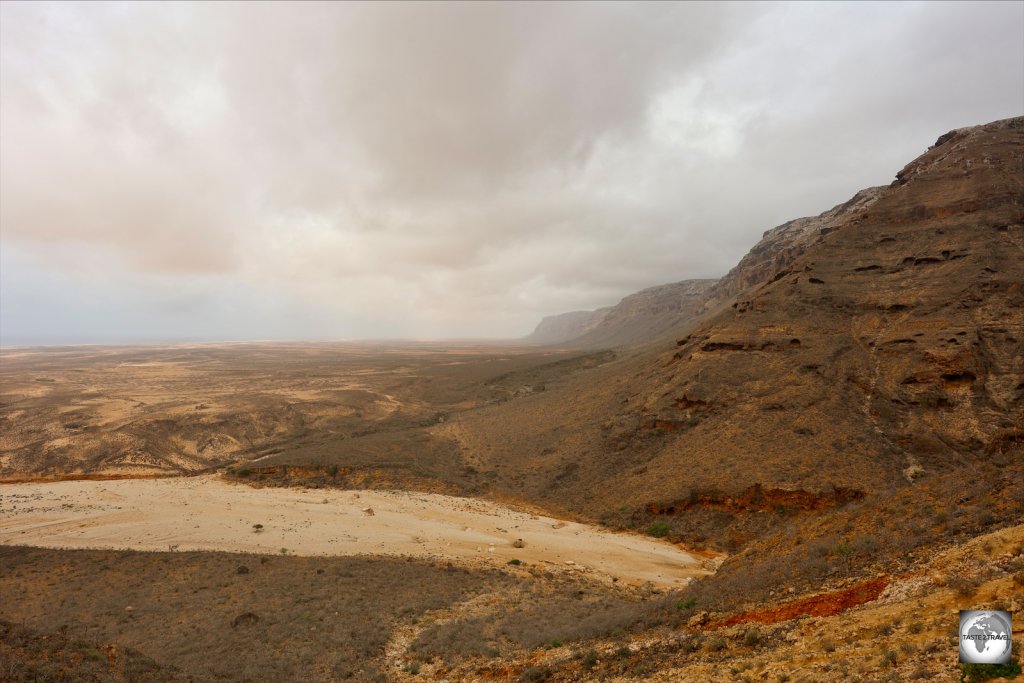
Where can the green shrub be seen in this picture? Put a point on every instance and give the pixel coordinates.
(659, 529)
(974, 673)
(686, 604)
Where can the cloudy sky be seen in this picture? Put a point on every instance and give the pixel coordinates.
(253, 171)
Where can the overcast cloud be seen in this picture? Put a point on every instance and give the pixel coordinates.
(247, 171)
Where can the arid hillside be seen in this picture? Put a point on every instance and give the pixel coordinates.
(885, 353)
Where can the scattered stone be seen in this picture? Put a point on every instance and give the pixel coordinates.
(368, 512)
(698, 619)
(245, 619)
(519, 543)
(242, 569)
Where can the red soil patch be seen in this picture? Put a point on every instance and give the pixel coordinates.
(824, 605)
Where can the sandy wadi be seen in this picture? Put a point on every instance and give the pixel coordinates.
(207, 513)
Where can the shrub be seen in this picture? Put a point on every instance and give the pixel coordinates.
(659, 529)
(533, 674)
(686, 604)
(974, 673)
(752, 638)
(963, 585)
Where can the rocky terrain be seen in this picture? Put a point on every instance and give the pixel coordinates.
(842, 416)
(891, 348)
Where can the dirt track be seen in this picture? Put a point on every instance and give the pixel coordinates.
(207, 513)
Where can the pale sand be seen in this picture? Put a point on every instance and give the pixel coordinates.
(207, 513)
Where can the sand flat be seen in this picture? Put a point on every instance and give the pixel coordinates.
(208, 513)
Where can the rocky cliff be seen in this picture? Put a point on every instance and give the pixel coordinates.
(637, 318)
(879, 344)
(556, 329)
(655, 311)
(782, 245)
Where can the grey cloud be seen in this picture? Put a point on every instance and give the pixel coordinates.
(453, 168)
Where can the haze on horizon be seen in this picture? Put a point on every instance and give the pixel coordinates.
(216, 171)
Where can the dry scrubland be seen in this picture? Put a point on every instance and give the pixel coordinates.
(132, 411)
(843, 415)
(131, 616)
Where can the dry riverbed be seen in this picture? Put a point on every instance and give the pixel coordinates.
(208, 513)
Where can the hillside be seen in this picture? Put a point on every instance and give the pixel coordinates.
(886, 354)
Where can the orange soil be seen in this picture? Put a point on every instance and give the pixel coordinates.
(824, 605)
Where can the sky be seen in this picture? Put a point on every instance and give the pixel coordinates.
(220, 171)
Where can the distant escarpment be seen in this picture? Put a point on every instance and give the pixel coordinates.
(555, 329)
(639, 317)
(656, 311)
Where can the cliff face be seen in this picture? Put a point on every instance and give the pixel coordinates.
(648, 314)
(876, 344)
(892, 345)
(556, 329)
(782, 245)
(637, 318)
